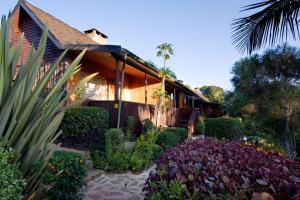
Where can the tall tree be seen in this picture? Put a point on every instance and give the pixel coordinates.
(272, 23)
(165, 51)
(271, 85)
(213, 93)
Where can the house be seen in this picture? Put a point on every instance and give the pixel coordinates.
(141, 79)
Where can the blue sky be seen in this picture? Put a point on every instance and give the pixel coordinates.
(199, 30)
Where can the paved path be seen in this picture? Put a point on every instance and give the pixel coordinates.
(117, 186)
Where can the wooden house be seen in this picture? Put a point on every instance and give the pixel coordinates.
(140, 78)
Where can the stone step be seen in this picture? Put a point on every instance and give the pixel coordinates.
(89, 164)
(93, 174)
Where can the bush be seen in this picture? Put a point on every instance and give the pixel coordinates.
(170, 137)
(147, 126)
(84, 127)
(130, 127)
(144, 151)
(66, 172)
(11, 182)
(114, 141)
(121, 159)
(200, 127)
(218, 169)
(223, 127)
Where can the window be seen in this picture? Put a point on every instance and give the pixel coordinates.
(96, 89)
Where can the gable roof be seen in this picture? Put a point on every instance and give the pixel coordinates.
(62, 32)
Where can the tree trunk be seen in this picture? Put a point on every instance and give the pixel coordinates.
(287, 139)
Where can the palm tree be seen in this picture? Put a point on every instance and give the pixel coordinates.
(271, 24)
(165, 51)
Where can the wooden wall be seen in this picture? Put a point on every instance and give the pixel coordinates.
(21, 22)
(140, 111)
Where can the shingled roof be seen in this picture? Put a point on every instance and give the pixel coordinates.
(63, 33)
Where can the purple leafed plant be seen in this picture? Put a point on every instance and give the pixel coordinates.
(212, 167)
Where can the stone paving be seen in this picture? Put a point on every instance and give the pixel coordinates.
(117, 186)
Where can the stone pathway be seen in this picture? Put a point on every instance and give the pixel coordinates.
(117, 186)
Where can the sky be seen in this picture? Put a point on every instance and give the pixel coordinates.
(199, 30)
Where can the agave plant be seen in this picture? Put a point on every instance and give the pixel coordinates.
(30, 115)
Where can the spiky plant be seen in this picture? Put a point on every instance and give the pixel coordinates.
(30, 116)
(272, 22)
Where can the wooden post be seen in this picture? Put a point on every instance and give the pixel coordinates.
(193, 102)
(146, 91)
(121, 91)
(146, 96)
(117, 80)
(174, 96)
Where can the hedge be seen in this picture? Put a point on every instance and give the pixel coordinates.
(170, 137)
(224, 128)
(84, 127)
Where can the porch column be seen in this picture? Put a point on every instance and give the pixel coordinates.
(146, 97)
(193, 102)
(146, 91)
(117, 79)
(174, 96)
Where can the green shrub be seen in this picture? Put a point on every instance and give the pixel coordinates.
(114, 141)
(144, 151)
(200, 127)
(119, 159)
(82, 120)
(130, 127)
(147, 125)
(66, 172)
(224, 127)
(84, 127)
(170, 137)
(11, 183)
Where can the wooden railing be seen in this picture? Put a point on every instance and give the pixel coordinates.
(139, 110)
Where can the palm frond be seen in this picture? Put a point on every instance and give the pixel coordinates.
(276, 20)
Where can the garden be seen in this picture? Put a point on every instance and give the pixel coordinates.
(252, 152)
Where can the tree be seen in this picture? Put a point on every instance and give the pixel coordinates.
(213, 93)
(165, 51)
(271, 85)
(272, 23)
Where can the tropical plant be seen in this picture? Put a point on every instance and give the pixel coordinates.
(29, 115)
(275, 20)
(165, 51)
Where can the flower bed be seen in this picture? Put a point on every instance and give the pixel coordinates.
(209, 168)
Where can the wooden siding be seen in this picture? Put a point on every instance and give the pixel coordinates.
(22, 23)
